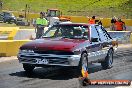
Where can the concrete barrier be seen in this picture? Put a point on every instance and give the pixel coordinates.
(78, 19)
(25, 34)
(122, 37)
(8, 33)
(105, 21)
(131, 38)
(14, 33)
(11, 47)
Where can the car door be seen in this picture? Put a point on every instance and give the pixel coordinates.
(105, 41)
(95, 45)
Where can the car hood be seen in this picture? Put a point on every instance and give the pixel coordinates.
(53, 44)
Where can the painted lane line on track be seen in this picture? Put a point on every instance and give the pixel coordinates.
(3, 59)
(124, 46)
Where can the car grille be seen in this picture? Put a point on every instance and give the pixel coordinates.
(53, 57)
(54, 52)
(58, 61)
(51, 60)
(29, 60)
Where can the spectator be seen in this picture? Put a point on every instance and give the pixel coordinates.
(92, 21)
(113, 21)
(120, 25)
(40, 23)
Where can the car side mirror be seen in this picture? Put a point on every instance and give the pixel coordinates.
(94, 39)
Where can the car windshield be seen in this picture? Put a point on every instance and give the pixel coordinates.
(67, 31)
(8, 14)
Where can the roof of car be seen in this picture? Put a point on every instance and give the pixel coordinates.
(69, 23)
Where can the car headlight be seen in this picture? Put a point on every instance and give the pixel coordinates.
(74, 57)
(77, 51)
(26, 51)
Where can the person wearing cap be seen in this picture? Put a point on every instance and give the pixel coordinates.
(120, 25)
(40, 22)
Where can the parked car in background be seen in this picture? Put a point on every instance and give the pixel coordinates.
(22, 22)
(69, 45)
(8, 17)
(1, 18)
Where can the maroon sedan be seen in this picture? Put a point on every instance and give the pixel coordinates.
(69, 44)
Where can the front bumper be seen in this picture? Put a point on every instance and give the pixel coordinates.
(49, 59)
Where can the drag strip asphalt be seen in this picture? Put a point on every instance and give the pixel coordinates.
(12, 74)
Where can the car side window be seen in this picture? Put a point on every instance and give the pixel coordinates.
(106, 33)
(94, 33)
(102, 34)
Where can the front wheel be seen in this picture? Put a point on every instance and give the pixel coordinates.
(108, 60)
(28, 67)
(83, 65)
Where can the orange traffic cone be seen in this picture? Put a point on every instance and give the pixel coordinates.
(84, 80)
(84, 73)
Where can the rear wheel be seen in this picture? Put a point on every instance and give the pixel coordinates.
(28, 67)
(4, 21)
(108, 60)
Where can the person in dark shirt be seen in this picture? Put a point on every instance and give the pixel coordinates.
(113, 21)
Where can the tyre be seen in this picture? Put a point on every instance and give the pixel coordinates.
(82, 64)
(4, 21)
(14, 21)
(9, 22)
(28, 67)
(107, 63)
(77, 70)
